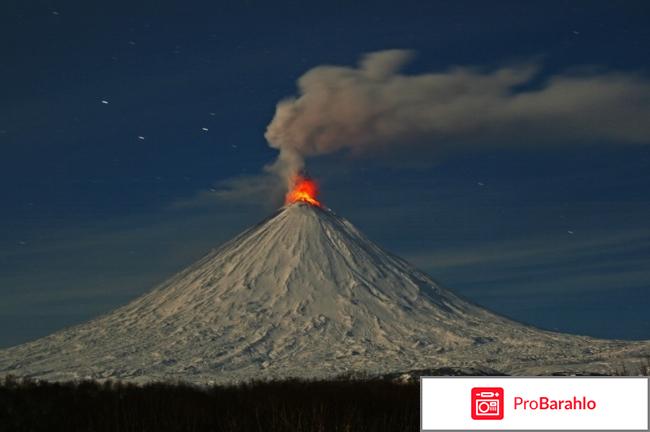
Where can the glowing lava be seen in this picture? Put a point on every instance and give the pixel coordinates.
(304, 189)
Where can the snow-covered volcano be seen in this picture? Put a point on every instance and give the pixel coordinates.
(303, 293)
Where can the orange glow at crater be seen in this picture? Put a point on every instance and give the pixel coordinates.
(304, 189)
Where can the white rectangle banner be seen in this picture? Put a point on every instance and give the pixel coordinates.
(536, 403)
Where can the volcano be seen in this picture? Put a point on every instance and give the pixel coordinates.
(304, 294)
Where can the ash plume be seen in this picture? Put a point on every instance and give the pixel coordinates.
(375, 108)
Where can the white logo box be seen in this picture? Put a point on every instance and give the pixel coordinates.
(621, 403)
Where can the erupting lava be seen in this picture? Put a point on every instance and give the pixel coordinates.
(304, 189)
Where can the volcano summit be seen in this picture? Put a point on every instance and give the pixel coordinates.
(305, 294)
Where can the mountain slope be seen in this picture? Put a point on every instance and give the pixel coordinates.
(303, 293)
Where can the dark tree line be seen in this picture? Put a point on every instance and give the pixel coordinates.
(293, 405)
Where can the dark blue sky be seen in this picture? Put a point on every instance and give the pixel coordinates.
(92, 215)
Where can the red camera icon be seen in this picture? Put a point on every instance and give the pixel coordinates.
(487, 403)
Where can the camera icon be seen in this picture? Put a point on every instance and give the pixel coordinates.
(487, 403)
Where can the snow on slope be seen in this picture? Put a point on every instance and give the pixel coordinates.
(303, 293)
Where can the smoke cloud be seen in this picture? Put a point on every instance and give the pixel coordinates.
(375, 107)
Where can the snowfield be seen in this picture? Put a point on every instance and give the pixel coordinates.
(305, 294)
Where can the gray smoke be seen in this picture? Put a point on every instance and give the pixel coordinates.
(375, 107)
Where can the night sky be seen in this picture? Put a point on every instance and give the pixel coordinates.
(121, 124)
